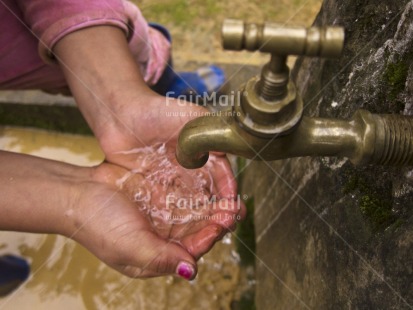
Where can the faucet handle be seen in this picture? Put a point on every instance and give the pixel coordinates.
(282, 40)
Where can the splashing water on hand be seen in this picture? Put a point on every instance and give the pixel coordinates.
(166, 193)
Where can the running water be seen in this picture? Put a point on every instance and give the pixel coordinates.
(164, 192)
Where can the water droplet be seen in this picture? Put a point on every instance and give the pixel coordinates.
(227, 239)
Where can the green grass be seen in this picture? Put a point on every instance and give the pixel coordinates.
(180, 12)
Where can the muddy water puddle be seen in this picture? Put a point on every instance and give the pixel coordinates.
(65, 276)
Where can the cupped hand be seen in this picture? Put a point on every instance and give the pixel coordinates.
(110, 225)
(150, 120)
(112, 222)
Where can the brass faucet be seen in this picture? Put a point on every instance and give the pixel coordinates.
(266, 123)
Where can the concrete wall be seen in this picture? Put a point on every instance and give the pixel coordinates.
(331, 235)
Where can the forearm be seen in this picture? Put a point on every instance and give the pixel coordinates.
(37, 194)
(101, 73)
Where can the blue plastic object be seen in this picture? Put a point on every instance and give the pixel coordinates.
(13, 271)
(188, 85)
(192, 86)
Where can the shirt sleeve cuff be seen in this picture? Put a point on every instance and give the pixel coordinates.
(68, 25)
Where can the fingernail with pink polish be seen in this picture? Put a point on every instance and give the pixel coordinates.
(185, 270)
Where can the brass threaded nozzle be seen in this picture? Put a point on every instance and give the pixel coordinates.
(394, 136)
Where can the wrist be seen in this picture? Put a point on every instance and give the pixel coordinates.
(100, 71)
(37, 193)
(72, 209)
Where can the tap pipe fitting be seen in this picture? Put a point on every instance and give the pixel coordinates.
(365, 139)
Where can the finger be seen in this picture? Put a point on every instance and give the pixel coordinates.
(229, 206)
(225, 183)
(155, 257)
(226, 220)
(225, 213)
(202, 241)
(139, 273)
(232, 215)
(220, 154)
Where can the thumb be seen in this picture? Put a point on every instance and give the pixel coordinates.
(159, 257)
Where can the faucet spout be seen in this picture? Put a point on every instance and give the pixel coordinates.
(208, 134)
(266, 122)
(365, 139)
